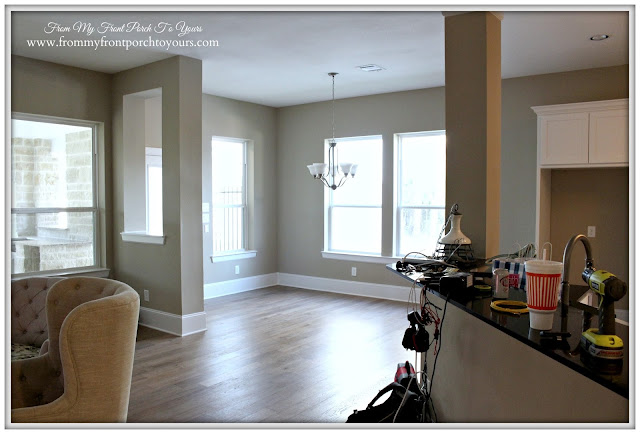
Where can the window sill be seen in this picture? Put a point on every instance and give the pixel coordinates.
(247, 254)
(142, 237)
(355, 257)
(90, 271)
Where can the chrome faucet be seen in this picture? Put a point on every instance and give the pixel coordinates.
(566, 259)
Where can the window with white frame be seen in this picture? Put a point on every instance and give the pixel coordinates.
(54, 211)
(229, 195)
(420, 191)
(354, 211)
(153, 177)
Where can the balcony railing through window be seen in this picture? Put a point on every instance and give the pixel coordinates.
(227, 228)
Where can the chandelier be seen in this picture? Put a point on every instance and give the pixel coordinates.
(333, 174)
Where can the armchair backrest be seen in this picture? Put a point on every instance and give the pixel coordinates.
(97, 345)
(28, 310)
(69, 294)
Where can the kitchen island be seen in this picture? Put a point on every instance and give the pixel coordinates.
(493, 368)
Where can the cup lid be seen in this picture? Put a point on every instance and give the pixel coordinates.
(542, 262)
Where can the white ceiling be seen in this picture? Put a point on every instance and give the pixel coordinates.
(281, 58)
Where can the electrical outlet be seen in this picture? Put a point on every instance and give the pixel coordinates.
(146, 295)
(354, 271)
(591, 231)
(237, 269)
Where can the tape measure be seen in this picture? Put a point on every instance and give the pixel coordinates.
(483, 288)
(510, 306)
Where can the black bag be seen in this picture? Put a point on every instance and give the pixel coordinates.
(410, 412)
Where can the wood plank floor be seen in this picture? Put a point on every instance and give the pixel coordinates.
(273, 355)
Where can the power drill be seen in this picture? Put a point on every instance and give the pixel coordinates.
(602, 349)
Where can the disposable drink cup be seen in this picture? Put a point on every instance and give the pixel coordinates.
(542, 286)
(541, 319)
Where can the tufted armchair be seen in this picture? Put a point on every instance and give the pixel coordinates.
(85, 376)
(28, 315)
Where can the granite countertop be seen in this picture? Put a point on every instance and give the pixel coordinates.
(565, 351)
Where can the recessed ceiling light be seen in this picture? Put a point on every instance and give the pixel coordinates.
(370, 68)
(599, 37)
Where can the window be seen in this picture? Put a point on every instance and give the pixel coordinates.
(229, 196)
(420, 191)
(153, 177)
(54, 218)
(354, 211)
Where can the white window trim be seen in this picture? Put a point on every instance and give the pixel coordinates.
(98, 229)
(327, 252)
(360, 257)
(142, 237)
(152, 151)
(397, 181)
(245, 253)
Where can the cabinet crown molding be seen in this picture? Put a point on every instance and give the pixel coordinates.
(609, 104)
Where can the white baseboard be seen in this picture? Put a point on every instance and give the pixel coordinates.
(235, 286)
(349, 287)
(179, 325)
(183, 325)
(194, 323)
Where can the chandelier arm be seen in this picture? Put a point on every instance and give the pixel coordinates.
(323, 179)
(343, 180)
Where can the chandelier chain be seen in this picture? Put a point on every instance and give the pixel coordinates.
(333, 110)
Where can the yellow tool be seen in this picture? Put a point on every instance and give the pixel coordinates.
(602, 348)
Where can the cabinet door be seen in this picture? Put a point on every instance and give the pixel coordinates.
(564, 139)
(609, 136)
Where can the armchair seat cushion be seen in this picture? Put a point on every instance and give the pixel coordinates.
(23, 351)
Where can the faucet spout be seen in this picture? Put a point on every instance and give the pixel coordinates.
(566, 259)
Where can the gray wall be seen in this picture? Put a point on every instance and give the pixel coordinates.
(142, 127)
(50, 89)
(519, 137)
(153, 122)
(592, 197)
(301, 133)
(302, 129)
(229, 118)
(171, 272)
(133, 137)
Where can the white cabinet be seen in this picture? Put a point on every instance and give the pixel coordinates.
(609, 136)
(564, 138)
(584, 134)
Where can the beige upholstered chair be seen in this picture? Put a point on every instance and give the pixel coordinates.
(86, 374)
(28, 314)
